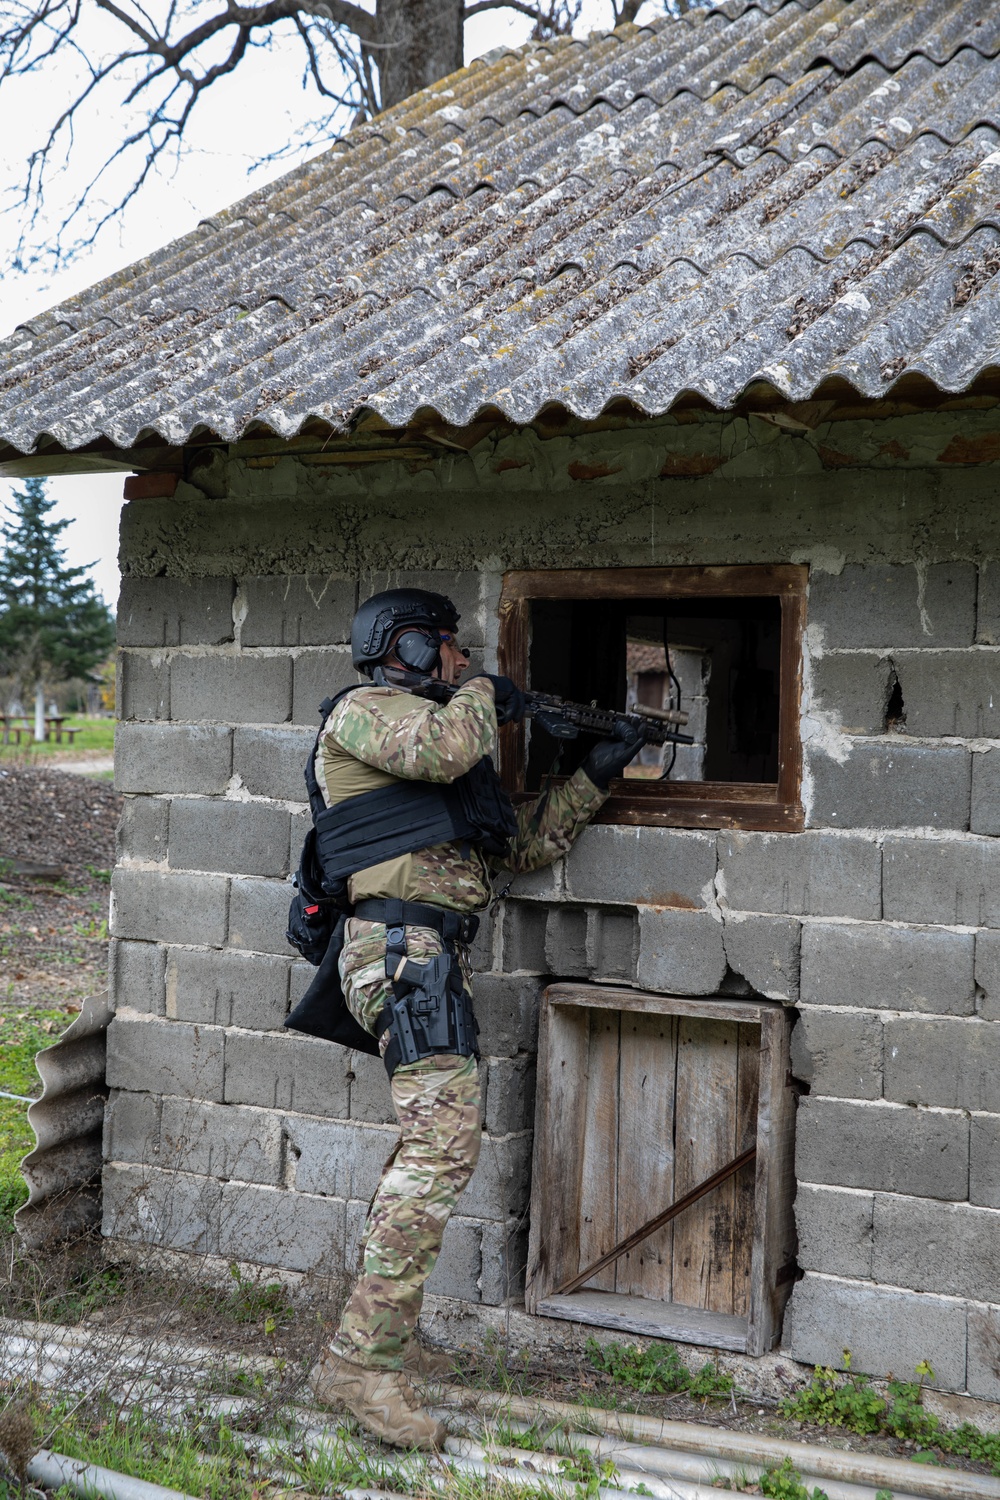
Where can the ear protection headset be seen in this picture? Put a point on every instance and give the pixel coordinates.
(418, 650)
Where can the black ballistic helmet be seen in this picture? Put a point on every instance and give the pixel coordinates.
(383, 614)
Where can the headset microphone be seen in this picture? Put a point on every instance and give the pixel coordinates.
(418, 650)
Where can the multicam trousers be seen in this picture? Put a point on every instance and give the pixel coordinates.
(437, 1103)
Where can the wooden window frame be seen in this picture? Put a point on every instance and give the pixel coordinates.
(770, 806)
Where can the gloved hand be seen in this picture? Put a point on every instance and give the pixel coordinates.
(508, 698)
(610, 757)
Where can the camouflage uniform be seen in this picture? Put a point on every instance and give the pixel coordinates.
(373, 736)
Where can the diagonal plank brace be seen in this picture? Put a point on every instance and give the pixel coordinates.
(652, 1225)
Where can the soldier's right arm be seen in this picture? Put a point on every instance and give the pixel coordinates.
(414, 738)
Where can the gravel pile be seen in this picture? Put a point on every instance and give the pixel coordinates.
(55, 818)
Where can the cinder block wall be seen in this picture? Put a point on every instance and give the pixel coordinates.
(880, 922)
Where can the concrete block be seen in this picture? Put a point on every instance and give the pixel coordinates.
(282, 1070)
(983, 1370)
(460, 1263)
(343, 1161)
(501, 1183)
(950, 692)
(300, 977)
(988, 604)
(524, 937)
(949, 1248)
(227, 989)
(895, 605)
(271, 762)
(272, 1227)
(954, 1064)
(854, 689)
(538, 885)
(132, 1128)
(764, 950)
(509, 1089)
(612, 941)
(136, 976)
(172, 758)
(318, 675)
(168, 907)
(887, 1148)
(887, 1332)
(507, 1012)
(838, 1054)
(890, 784)
(680, 952)
(641, 866)
(142, 830)
(148, 1055)
(889, 968)
(984, 1160)
(835, 1231)
(231, 689)
(213, 833)
(566, 942)
(371, 1099)
(296, 610)
(481, 950)
(221, 1140)
(504, 1256)
(817, 874)
(258, 916)
(175, 611)
(942, 880)
(143, 688)
(170, 1210)
(298, 826)
(986, 790)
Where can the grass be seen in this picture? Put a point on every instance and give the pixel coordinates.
(20, 1039)
(657, 1370)
(94, 734)
(852, 1402)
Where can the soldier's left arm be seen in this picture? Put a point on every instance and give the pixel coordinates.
(547, 827)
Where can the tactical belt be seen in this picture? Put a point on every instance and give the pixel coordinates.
(430, 1012)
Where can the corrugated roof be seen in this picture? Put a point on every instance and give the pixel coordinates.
(779, 192)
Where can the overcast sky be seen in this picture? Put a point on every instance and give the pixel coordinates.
(262, 103)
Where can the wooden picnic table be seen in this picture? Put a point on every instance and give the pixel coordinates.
(17, 725)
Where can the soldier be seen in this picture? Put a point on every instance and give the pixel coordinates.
(421, 773)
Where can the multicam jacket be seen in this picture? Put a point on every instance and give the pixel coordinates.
(376, 734)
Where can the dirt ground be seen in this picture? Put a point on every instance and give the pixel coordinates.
(53, 931)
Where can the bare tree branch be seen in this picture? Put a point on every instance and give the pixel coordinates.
(171, 53)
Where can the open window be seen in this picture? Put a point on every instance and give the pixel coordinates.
(721, 645)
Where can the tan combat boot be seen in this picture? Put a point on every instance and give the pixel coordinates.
(429, 1364)
(383, 1400)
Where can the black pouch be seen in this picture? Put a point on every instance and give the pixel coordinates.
(314, 912)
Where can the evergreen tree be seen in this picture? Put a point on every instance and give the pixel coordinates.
(52, 624)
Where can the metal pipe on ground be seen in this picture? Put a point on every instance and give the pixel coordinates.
(54, 1469)
(659, 1468)
(742, 1447)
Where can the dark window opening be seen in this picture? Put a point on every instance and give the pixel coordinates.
(725, 641)
(717, 658)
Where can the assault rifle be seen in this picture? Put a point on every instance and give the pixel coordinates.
(561, 719)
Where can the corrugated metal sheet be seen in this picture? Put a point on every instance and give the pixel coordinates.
(778, 192)
(63, 1172)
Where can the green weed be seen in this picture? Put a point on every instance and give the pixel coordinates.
(786, 1484)
(251, 1301)
(20, 1040)
(657, 1370)
(852, 1402)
